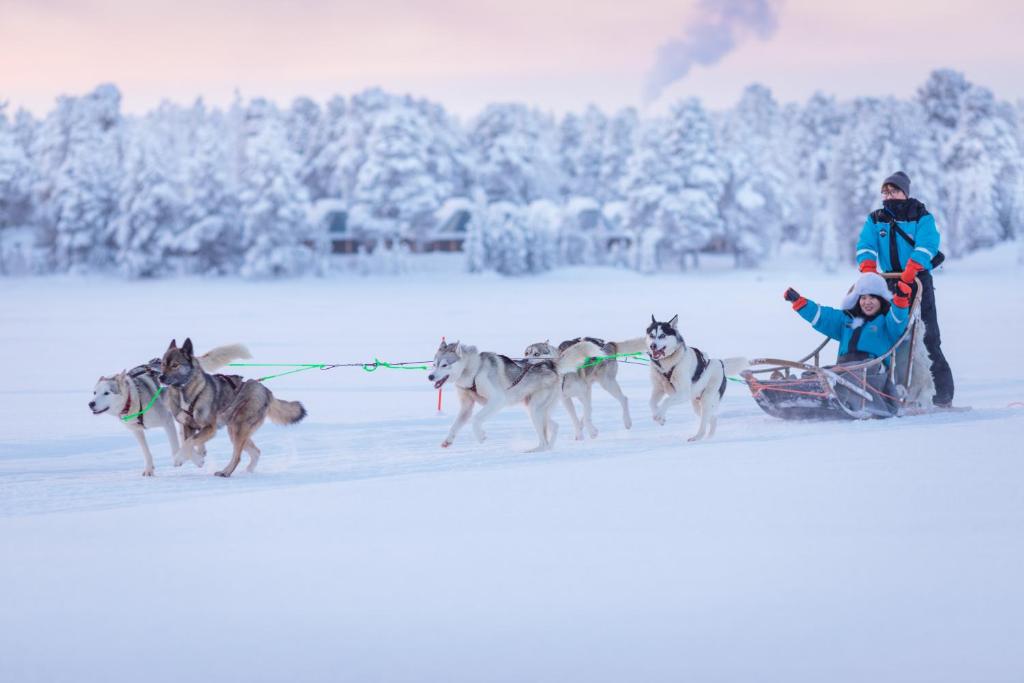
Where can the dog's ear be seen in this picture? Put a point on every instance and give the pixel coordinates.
(121, 380)
(653, 321)
(186, 348)
(674, 321)
(173, 344)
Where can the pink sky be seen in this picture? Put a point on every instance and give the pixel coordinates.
(556, 54)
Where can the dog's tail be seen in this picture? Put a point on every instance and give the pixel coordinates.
(638, 344)
(574, 356)
(215, 359)
(734, 365)
(285, 412)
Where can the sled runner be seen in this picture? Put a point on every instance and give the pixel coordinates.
(806, 390)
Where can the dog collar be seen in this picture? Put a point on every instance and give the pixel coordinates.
(127, 404)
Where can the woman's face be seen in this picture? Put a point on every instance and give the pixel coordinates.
(869, 304)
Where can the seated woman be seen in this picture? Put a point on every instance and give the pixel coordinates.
(870, 322)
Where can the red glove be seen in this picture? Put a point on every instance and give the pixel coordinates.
(868, 266)
(911, 271)
(902, 297)
(794, 296)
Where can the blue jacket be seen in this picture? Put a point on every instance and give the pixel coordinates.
(877, 236)
(876, 336)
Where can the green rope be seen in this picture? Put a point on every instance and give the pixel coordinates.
(370, 367)
(299, 367)
(291, 372)
(146, 409)
(597, 360)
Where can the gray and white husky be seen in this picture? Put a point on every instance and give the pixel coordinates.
(495, 381)
(579, 385)
(130, 391)
(680, 372)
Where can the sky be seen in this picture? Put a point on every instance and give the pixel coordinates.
(557, 55)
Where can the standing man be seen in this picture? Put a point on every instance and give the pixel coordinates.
(901, 237)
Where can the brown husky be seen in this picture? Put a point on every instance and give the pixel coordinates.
(201, 402)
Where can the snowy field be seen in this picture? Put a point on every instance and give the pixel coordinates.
(361, 551)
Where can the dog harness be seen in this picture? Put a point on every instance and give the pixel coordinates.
(128, 406)
(234, 380)
(132, 376)
(702, 365)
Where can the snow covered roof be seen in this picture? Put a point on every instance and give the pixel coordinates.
(321, 208)
(577, 205)
(452, 206)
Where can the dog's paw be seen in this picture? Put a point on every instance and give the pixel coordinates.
(695, 437)
(148, 472)
(579, 435)
(481, 436)
(446, 443)
(628, 422)
(592, 430)
(659, 418)
(222, 473)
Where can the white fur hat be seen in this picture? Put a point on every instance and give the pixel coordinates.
(868, 283)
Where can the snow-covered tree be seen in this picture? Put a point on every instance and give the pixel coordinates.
(80, 151)
(414, 162)
(816, 132)
(616, 151)
(515, 240)
(759, 198)
(581, 152)
(150, 210)
(16, 176)
(210, 241)
(673, 188)
(277, 238)
(515, 154)
(979, 161)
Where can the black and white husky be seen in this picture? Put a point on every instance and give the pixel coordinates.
(130, 391)
(495, 381)
(579, 385)
(680, 372)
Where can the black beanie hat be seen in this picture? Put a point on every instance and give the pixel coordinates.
(899, 179)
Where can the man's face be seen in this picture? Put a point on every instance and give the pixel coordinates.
(892, 192)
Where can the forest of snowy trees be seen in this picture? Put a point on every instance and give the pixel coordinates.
(195, 190)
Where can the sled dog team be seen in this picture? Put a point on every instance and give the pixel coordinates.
(199, 400)
(900, 238)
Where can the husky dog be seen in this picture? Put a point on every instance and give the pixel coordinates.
(495, 381)
(579, 385)
(130, 391)
(680, 372)
(201, 402)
